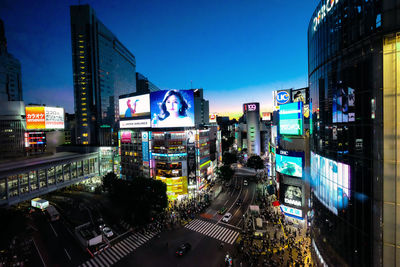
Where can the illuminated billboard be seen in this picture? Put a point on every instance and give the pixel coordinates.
(41, 117)
(134, 107)
(126, 137)
(330, 181)
(249, 107)
(213, 118)
(172, 108)
(343, 102)
(281, 97)
(288, 165)
(291, 119)
(291, 195)
(175, 186)
(266, 116)
(299, 95)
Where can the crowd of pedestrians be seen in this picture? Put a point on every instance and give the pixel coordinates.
(278, 243)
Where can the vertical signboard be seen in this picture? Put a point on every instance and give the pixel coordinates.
(145, 147)
(191, 153)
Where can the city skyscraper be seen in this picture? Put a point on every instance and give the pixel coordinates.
(353, 60)
(103, 69)
(10, 71)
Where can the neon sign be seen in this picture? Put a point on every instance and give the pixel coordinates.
(324, 10)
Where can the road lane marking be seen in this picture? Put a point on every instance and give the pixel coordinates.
(69, 257)
(54, 230)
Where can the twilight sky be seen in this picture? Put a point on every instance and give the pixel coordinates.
(237, 50)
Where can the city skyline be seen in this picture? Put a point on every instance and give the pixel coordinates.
(184, 34)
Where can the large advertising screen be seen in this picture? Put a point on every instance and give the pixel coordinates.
(343, 102)
(44, 118)
(134, 106)
(299, 95)
(291, 119)
(291, 195)
(172, 108)
(330, 181)
(288, 165)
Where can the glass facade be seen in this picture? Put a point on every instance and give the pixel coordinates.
(103, 70)
(353, 52)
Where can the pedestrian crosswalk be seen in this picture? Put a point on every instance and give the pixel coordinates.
(119, 250)
(213, 230)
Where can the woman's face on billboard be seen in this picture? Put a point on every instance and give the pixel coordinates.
(173, 104)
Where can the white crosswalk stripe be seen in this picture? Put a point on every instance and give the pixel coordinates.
(107, 258)
(219, 232)
(119, 250)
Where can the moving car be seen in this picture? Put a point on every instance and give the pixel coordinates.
(245, 182)
(107, 232)
(222, 210)
(227, 217)
(182, 249)
(239, 202)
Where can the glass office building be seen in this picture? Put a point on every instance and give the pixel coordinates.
(354, 80)
(103, 70)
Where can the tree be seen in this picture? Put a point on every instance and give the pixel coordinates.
(109, 181)
(13, 223)
(140, 198)
(255, 162)
(225, 173)
(229, 158)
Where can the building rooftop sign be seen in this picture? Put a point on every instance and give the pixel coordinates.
(325, 9)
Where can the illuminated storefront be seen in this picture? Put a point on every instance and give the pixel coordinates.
(354, 59)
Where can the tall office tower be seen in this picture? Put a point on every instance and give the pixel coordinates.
(201, 108)
(252, 112)
(354, 59)
(103, 70)
(10, 71)
(143, 85)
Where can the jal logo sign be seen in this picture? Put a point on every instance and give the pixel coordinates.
(282, 97)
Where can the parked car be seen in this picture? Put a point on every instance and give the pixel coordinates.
(222, 210)
(183, 249)
(227, 217)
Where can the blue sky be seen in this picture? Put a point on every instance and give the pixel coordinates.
(238, 51)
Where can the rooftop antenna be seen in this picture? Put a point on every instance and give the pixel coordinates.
(191, 84)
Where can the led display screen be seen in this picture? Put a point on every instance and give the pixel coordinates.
(44, 118)
(291, 195)
(292, 166)
(126, 137)
(134, 107)
(331, 182)
(291, 119)
(343, 102)
(299, 96)
(172, 108)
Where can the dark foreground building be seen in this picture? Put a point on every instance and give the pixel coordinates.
(354, 80)
(103, 70)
